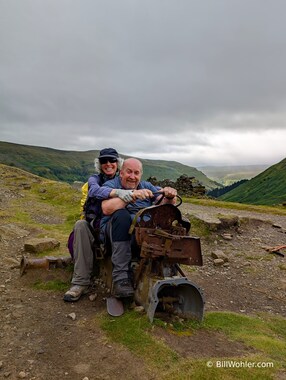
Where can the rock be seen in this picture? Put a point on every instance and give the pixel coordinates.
(228, 221)
(93, 297)
(22, 375)
(276, 226)
(13, 230)
(186, 186)
(14, 263)
(218, 262)
(256, 239)
(72, 316)
(218, 254)
(227, 236)
(26, 186)
(77, 185)
(139, 309)
(39, 245)
(212, 223)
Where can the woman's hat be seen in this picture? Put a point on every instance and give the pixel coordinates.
(108, 152)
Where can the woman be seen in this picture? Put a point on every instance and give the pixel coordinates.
(107, 166)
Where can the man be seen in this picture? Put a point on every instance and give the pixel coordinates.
(107, 166)
(132, 194)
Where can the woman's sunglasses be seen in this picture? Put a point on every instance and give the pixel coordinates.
(111, 160)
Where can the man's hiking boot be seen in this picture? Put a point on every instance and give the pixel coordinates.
(123, 288)
(75, 292)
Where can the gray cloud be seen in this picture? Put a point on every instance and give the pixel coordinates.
(155, 78)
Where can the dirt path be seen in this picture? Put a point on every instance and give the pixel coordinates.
(205, 212)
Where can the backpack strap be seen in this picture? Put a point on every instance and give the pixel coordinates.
(91, 202)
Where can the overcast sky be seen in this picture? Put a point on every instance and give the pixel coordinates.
(200, 82)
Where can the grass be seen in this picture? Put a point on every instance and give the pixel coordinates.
(259, 258)
(47, 199)
(55, 285)
(198, 227)
(265, 334)
(219, 369)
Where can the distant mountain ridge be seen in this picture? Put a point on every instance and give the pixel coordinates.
(227, 175)
(70, 166)
(267, 188)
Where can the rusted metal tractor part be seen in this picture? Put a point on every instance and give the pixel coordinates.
(160, 284)
(177, 296)
(105, 270)
(159, 287)
(164, 217)
(156, 244)
(47, 262)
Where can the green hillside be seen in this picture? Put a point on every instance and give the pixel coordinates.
(70, 166)
(173, 170)
(267, 188)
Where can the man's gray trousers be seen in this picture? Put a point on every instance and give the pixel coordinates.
(117, 232)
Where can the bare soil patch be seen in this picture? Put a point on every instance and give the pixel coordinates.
(204, 344)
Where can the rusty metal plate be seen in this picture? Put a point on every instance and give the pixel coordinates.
(162, 217)
(182, 249)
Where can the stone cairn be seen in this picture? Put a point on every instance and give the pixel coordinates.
(186, 186)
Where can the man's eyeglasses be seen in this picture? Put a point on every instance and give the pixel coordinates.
(111, 160)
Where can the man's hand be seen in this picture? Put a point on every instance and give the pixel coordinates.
(142, 194)
(124, 195)
(169, 195)
(169, 192)
(131, 195)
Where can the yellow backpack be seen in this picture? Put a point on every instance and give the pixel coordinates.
(84, 191)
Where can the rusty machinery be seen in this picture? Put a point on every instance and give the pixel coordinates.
(162, 245)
